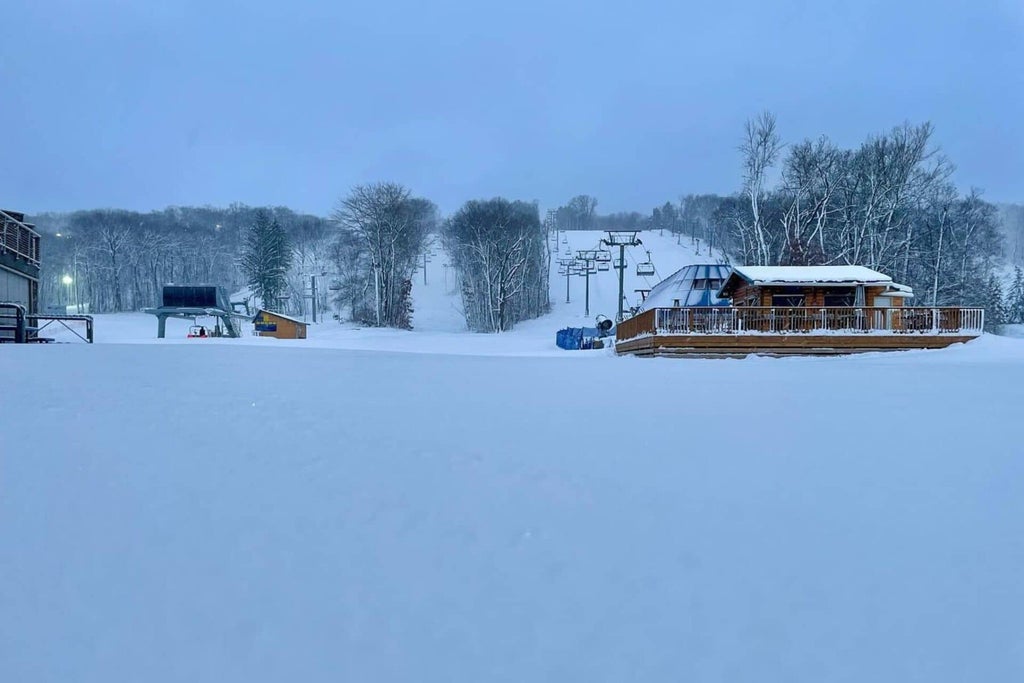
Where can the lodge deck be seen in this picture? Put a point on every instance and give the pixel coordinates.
(741, 331)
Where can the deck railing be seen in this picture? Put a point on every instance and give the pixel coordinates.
(726, 320)
(18, 238)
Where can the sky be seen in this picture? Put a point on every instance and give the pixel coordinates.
(145, 104)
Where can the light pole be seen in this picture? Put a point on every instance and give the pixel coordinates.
(67, 280)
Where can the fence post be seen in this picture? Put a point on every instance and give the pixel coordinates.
(20, 333)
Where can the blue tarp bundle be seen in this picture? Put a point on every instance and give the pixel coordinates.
(575, 338)
(570, 338)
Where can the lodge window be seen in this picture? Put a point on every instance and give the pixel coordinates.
(788, 297)
(844, 297)
(707, 283)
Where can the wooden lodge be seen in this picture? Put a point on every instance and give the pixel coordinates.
(799, 310)
(270, 324)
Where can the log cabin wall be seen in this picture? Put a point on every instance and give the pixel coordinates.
(814, 297)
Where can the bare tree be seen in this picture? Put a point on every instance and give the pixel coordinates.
(499, 252)
(394, 227)
(760, 149)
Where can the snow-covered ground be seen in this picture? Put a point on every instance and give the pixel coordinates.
(488, 508)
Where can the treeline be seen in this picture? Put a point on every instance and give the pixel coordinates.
(888, 204)
(116, 260)
(363, 257)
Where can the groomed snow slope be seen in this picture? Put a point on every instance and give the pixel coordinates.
(438, 308)
(260, 512)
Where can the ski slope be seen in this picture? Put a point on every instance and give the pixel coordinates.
(438, 308)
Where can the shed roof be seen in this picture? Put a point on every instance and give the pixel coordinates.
(278, 315)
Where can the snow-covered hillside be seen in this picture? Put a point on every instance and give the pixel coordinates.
(438, 306)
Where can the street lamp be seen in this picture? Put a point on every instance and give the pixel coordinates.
(67, 280)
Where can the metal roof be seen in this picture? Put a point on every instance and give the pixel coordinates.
(694, 285)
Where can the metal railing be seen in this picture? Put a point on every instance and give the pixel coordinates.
(18, 238)
(722, 320)
(20, 327)
(12, 323)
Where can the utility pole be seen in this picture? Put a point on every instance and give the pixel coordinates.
(312, 286)
(376, 290)
(424, 267)
(621, 240)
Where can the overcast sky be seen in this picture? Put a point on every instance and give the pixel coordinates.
(143, 104)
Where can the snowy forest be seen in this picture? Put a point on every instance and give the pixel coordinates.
(888, 204)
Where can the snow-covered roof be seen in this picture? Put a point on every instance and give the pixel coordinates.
(695, 285)
(898, 291)
(278, 315)
(847, 275)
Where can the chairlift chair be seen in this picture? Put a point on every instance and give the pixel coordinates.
(603, 256)
(197, 331)
(603, 265)
(646, 268)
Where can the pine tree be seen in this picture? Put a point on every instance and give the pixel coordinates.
(995, 313)
(1015, 298)
(266, 258)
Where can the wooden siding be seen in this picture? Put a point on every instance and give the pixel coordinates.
(779, 345)
(800, 330)
(285, 328)
(814, 296)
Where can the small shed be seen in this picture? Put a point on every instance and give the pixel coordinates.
(270, 324)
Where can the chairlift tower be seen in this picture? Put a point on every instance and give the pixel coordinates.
(565, 267)
(311, 296)
(586, 259)
(621, 239)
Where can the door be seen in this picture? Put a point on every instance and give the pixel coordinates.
(882, 318)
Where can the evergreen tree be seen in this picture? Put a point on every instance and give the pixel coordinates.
(995, 313)
(1015, 298)
(266, 258)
